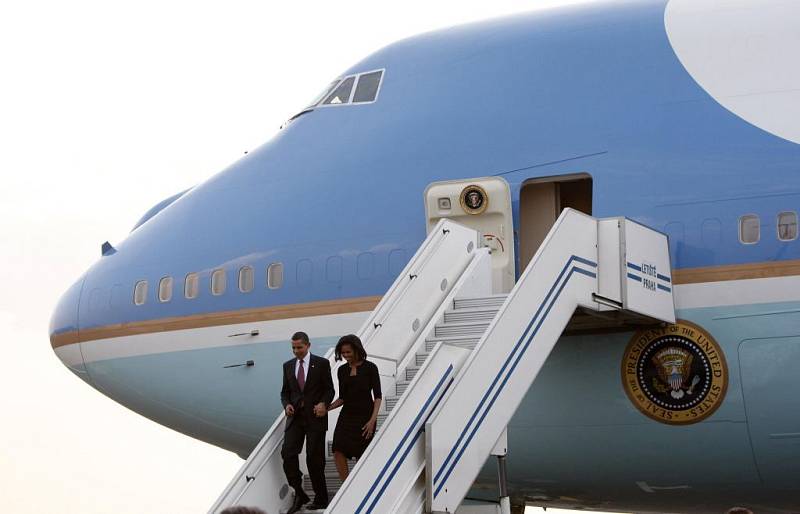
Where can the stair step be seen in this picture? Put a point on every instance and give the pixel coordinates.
(420, 358)
(306, 511)
(391, 402)
(411, 372)
(463, 342)
(331, 481)
(474, 328)
(483, 301)
(381, 418)
(400, 387)
(471, 314)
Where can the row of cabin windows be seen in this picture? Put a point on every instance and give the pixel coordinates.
(219, 283)
(750, 227)
(749, 233)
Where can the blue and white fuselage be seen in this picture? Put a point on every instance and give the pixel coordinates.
(673, 111)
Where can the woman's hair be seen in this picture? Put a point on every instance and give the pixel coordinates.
(355, 343)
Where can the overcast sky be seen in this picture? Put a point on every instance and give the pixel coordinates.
(107, 108)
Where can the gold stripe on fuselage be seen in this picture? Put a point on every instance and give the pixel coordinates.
(368, 303)
(736, 272)
(213, 319)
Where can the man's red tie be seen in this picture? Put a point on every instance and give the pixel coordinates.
(301, 376)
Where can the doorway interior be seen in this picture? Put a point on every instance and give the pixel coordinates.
(541, 201)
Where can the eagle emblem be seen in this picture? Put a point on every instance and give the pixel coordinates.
(674, 366)
(675, 374)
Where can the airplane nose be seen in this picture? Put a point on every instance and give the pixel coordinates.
(64, 329)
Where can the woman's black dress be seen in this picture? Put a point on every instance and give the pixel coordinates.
(357, 394)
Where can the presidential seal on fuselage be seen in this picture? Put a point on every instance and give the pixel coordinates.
(676, 374)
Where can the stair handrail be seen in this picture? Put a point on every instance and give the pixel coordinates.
(257, 461)
(428, 278)
(391, 298)
(399, 441)
(455, 426)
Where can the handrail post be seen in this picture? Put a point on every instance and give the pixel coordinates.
(502, 477)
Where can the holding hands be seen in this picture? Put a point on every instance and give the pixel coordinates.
(320, 410)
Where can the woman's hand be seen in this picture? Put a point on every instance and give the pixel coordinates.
(368, 429)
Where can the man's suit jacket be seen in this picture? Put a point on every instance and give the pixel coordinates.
(318, 389)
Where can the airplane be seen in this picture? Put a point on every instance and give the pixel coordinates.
(682, 115)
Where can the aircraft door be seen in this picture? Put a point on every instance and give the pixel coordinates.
(485, 205)
(541, 201)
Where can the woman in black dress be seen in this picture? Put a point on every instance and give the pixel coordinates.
(360, 394)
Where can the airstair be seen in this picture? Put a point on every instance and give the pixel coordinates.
(456, 360)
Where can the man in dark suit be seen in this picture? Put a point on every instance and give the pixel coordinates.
(306, 393)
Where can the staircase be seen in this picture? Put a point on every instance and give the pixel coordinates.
(462, 326)
(459, 360)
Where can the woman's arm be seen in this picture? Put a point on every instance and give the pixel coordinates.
(338, 402)
(369, 428)
(375, 384)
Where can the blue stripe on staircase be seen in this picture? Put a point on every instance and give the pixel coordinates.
(448, 469)
(391, 459)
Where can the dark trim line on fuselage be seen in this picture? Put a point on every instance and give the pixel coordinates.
(368, 303)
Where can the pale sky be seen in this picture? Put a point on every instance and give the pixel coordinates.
(107, 108)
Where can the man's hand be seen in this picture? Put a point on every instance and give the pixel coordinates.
(289, 410)
(320, 410)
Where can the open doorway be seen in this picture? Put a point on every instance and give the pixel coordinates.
(541, 200)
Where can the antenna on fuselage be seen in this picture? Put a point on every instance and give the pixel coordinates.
(107, 249)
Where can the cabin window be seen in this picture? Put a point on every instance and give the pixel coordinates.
(275, 275)
(117, 296)
(246, 279)
(341, 95)
(333, 269)
(365, 265)
(367, 87)
(140, 292)
(397, 261)
(787, 226)
(165, 289)
(304, 272)
(218, 282)
(191, 286)
(749, 229)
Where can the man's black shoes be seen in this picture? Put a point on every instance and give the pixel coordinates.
(316, 506)
(300, 499)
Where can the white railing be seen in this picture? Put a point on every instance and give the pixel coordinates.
(419, 289)
(562, 276)
(388, 335)
(389, 474)
(476, 281)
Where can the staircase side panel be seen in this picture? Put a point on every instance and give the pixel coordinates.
(493, 382)
(398, 325)
(387, 333)
(393, 462)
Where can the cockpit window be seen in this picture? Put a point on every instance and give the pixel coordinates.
(324, 93)
(367, 88)
(341, 95)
